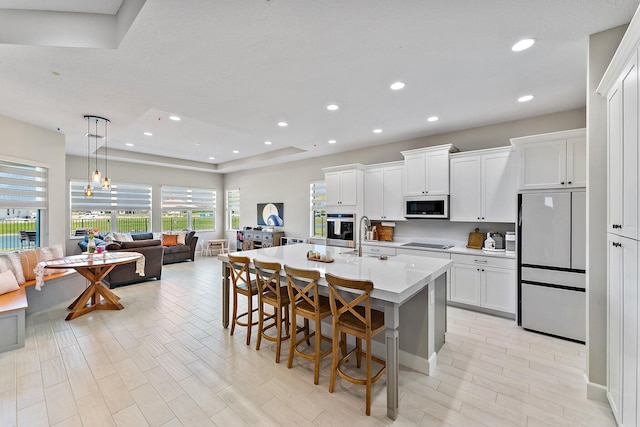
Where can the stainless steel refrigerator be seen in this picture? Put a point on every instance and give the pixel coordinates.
(552, 262)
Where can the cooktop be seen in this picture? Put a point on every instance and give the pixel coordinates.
(427, 245)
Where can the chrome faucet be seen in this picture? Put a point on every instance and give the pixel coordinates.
(367, 224)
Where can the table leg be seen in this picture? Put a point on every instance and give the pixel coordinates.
(392, 341)
(225, 294)
(97, 296)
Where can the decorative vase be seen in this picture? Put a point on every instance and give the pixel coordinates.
(91, 246)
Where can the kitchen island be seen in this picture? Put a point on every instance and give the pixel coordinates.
(411, 291)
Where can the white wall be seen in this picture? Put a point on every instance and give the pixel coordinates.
(289, 183)
(29, 144)
(602, 46)
(156, 176)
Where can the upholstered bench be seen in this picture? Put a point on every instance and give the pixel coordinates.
(13, 307)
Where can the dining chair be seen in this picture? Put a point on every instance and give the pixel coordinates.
(310, 305)
(352, 314)
(270, 292)
(242, 285)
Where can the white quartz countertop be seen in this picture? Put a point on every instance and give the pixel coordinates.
(458, 248)
(395, 279)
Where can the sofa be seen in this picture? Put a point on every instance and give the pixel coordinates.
(125, 274)
(174, 251)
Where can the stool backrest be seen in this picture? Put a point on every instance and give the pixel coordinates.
(268, 276)
(240, 271)
(302, 285)
(342, 302)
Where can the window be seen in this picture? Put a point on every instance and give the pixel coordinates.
(318, 196)
(23, 201)
(124, 209)
(232, 209)
(192, 208)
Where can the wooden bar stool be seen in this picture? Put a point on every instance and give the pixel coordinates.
(350, 317)
(307, 303)
(242, 285)
(271, 293)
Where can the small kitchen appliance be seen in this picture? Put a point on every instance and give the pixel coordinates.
(510, 243)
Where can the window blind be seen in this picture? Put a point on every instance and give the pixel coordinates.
(183, 198)
(122, 197)
(22, 186)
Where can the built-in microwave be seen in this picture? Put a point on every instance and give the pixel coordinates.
(341, 229)
(426, 206)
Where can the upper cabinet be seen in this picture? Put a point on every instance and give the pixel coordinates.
(383, 191)
(344, 185)
(483, 186)
(622, 206)
(552, 160)
(426, 170)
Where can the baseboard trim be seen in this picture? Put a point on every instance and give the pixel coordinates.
(596, 391)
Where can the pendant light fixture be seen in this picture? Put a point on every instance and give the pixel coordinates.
(106, 181)
(96, 176)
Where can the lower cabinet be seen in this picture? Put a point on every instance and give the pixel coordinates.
(622, 324)
(484, 282)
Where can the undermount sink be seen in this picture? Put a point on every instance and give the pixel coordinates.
(427, 245)
(351, 252)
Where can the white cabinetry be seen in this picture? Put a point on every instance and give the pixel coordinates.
(427, 170)
(622, 320)
(383, 191)
(552, 160)
(619, 86)
(483, 186)
(344, 185)
(484, 282)
(622, 203)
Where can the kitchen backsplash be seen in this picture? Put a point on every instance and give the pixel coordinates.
(444, 230)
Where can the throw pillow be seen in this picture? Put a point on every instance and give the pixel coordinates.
(169, 239)
(47, 254)
(182, 236)
(123, 237)
(11, 261)
(8, 282)
(29, 260)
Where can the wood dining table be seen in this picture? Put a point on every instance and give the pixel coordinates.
(94, 267)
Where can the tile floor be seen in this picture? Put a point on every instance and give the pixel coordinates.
(165, 360)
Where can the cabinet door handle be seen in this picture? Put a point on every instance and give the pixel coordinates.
(562, 183)
(481, 260)
(617, 245)
(569, 182)
(483, 269)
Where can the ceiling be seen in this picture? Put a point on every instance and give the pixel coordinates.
(233, 69)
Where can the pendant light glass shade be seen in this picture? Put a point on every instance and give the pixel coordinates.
(96, 176)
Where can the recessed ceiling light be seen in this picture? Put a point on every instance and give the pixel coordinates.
(433, 119)
(235, 151)
(267, 142)
(212, 158)
(128, 144)
(174, 118)
(523, 45)
(332, 107)
(332, 141)
(377, 131)
(397, 86)
(148, 133)
(283, 124)
(525, 98)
